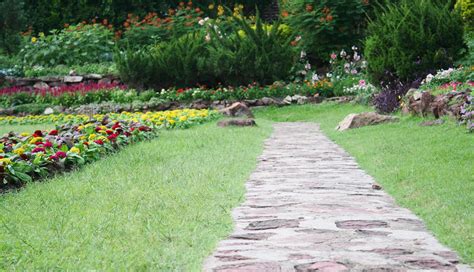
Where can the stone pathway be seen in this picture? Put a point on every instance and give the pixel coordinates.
(309, 207)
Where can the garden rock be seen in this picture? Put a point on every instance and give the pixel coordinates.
(364, 119)
(48, 111)
(73, 79)
(237, 109)
(93, 76)
(288, 100)
(237, 123)
(266, 101)
(41, 85)
(300, 100)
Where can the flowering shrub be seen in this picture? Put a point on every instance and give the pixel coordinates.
(327, 25)
(363, 92)
(449, 79)
(26, 157)
(77, 44)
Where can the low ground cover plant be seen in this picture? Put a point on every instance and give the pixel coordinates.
(79, 139)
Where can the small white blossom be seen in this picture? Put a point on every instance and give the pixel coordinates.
(303, 54)
(307, 66)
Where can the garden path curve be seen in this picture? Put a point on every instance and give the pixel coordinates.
(309, 207)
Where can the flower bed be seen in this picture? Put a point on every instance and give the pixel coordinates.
(119, 95)
(26, 157)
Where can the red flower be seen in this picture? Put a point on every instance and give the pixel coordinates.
(112, 137)
(108, 131)
(37, 149)
(53, 132)
(86, 143)
(48, 145)
(39, 143)
(38, 133)
(53, 158)
(99, 142)
(116, 126)
(181, 90)
(97, 129)
(144, 128)
(60, 154)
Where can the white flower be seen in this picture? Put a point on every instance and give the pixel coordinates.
(329, 75)
(356, 56)
(429, 78)
(354, 48)
(307, 66)
(298, 38)
(314, 78)
(354, 71)
(343, 53)
(208, 37)
(303, 54)
(202, 22)
(364, 64)
(347, 66)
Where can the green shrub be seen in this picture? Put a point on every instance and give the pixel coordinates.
(411, 38)
(74, 45)
(11, 23)
(175, 63)
(327, 25)
(466, 7)
(253, 53)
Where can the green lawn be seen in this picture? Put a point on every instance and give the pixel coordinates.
(159, 205)
(23, 128)
(164, 204)
(429, 170)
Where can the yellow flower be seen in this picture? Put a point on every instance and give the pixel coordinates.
(41, 34)
(19, 151)
(211, 6)
(5, 161)
(183, 118)
(24, 134)
(75, 150)
(34, 40)
(220, 10)
(171, 121)
(92, 137)
(1, 151)
(35, 140)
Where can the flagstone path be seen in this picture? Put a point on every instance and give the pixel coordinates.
(309, 207)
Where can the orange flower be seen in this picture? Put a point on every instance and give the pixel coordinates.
(198, 10)
(329, 18)
(66, 25)
(126, 24)
(190, 3)
(284, 14)
(309, 8)
(294, 43)
(181, 4)
(105, 22)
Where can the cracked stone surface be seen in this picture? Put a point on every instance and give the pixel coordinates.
(309, 207)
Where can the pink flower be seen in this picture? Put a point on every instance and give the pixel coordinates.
(333, 56)
(362, 82)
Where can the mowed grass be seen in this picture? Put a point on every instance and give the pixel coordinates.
(160, 205)
(429, 170)
(24, 128)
